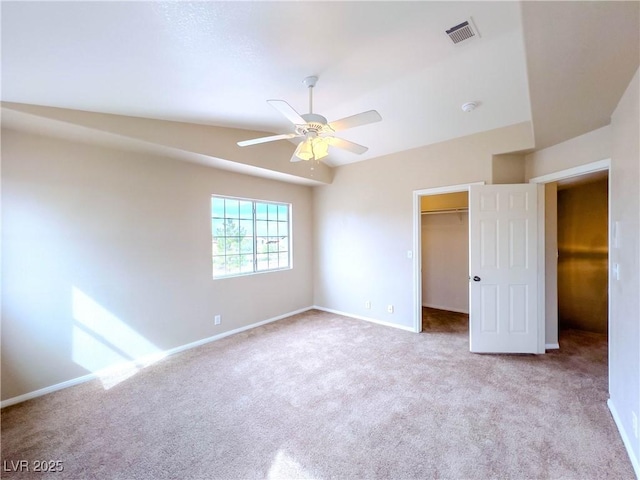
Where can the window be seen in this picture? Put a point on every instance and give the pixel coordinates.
(249, 236)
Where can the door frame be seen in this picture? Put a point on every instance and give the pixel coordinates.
(417, 243)
(592, 167)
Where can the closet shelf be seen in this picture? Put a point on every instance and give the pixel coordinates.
(445, 210)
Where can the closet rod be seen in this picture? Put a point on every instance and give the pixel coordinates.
(445, 210)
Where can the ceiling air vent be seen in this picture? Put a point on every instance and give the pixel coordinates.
(462, 32)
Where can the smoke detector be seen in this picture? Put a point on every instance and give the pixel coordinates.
(463, 32)
(469, 106)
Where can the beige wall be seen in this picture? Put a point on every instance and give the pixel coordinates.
(583, 256)
(587, 148)
(508, 168)
(93, 235)
(364, 220)
(624, 332)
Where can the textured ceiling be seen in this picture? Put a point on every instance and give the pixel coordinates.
(217, 63)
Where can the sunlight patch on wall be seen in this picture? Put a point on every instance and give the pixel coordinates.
(105, 345)
(284, 467)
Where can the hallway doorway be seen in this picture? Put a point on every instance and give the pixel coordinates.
(583, 250)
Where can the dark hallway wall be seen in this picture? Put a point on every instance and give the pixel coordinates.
(582, 256)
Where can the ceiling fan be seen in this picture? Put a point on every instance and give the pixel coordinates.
(315, 129)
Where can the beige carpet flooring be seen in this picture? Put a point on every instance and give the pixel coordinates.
(322, 396)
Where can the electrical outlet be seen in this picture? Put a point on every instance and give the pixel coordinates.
(390, 308)
(367, 304)
(634, 422)
(216, 319)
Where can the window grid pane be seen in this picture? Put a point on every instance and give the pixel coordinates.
(248, 236)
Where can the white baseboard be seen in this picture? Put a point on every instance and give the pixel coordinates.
(442, 307)
(551, 346)
(145, 360)
(50, 389)
(625, 438)
(366, 319)
(222, 335)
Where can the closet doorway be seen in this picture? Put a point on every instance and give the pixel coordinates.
(445, 251)
(441, 264)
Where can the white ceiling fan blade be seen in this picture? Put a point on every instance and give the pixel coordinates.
(347, 145)
(355, 120)
(272, 138)
(287, 110)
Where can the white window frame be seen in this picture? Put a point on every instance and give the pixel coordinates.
(258, 225)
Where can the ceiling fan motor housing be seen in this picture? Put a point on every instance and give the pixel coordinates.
(315, 123)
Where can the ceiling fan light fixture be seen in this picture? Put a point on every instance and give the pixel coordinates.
(314, 148)
(304, 151)
(320, 148)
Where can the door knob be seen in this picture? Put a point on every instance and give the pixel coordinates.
(476, 278)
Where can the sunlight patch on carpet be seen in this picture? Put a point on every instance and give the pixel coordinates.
(285, 467)
(105, 345)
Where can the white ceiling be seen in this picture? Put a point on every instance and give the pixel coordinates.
(217, 63)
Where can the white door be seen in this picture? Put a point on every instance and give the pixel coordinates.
(503, 269)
